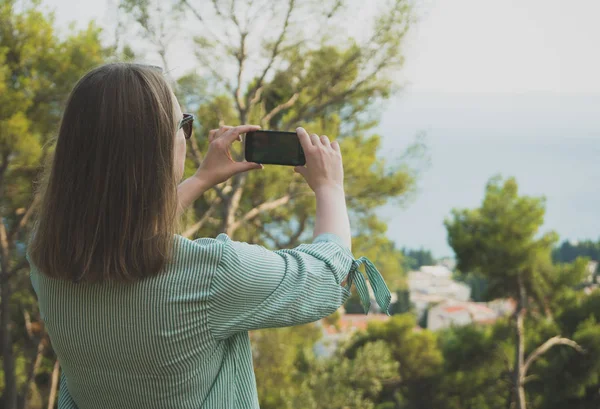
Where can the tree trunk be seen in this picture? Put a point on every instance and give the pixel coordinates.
(9, 397)
(233, 204)
(54, 386)
(30, 382)
(518, 384)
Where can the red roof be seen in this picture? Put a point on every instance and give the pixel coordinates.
(353, 322)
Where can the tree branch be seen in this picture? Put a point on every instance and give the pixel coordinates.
(265, 119)
(277, 243)
(25, 218)
(241, 57)
(33, 368)
(261, 208)
(54, 385)
(233, 17)
(195, 151)
(542, 349)
(256, 97)
(274, 52)
(530, 378)
(3, 167)
(198, 225)
(4, 247)
(208, 64)
(301, 227)
(336, 98)
(201, 19)
(217, 9)
(233, 203)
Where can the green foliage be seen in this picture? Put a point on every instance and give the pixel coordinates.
(403, 305)
(477, 283)
(501, 242)
(340, 382)
(474, 374)
(280, 355)
(416, 351)
(38, 68)
(414, 259)
(566, 378)
(568, 251)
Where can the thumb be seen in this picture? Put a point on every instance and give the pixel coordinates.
(246, 166)
(301, 170)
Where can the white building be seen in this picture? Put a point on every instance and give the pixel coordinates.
(434, 284)
(453, 313)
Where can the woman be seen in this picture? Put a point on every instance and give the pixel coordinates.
(138, 316)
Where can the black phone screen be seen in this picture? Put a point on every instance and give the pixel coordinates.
(274, 147)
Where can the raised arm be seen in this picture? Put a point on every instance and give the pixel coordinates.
(324, 173)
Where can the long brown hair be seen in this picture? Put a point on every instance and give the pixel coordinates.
(109, 196)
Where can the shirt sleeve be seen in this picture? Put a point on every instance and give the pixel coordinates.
(257, 288)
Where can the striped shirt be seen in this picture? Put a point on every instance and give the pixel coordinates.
(180, 339)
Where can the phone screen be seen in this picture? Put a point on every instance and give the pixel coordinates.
(273, 147)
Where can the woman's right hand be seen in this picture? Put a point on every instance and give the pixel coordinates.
(218, 165)
(324, 168)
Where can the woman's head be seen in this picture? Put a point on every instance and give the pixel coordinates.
(109, 197)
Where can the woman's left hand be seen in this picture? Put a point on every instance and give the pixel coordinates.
(218, 165)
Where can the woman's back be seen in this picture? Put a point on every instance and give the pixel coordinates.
(140, 345)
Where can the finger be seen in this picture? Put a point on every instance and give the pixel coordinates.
(211, 134)
(233, 134)
(314, 138)
(246, 166)
(335, 146)
(304, 138)
(217, 133)
(325, 140)
(222, 130)
(301, 170)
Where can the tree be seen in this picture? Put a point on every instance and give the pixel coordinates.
(474, 373)
(501, 241)
(37, 70)
(569, 379)
(568, 251)
(417, 258)
(344, 383)
(280, 360)
(260, 62)
(419, 358)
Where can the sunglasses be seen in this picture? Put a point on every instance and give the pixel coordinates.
(187, 123)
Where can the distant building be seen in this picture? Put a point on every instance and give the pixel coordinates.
(347, 325)
(447, 262)
(450, 313)
(434, 284)
(456, 313)
(591, 268)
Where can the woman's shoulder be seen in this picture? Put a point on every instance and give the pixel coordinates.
(204, 247)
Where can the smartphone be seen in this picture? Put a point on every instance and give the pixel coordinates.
(274, 148)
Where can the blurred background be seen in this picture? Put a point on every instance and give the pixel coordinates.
(471, 136)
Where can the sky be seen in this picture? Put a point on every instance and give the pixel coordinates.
(508, 87)
(505, 46)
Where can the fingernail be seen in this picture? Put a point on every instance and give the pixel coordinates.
(299, 128)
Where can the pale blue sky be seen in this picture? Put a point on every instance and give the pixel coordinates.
(510, 46)
(498, 86)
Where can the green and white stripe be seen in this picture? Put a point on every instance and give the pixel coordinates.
(180, 339)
